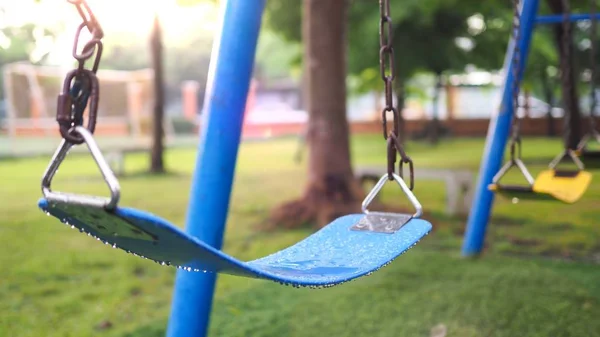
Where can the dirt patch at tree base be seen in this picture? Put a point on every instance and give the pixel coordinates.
(321, 204)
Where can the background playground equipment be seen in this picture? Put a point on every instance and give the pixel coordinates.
(125, 110)
(527, 11)
(593, 134)
(564, 185)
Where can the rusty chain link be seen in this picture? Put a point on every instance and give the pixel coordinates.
(80, 86)
(593, 60)
(566, 66)
(515, 143)
(592, 132)
(388, 75)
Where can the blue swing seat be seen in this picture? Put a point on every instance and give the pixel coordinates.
(333, 255)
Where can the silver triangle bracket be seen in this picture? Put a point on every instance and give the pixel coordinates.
(388, 223)
(105, 223)
(92, 210)
(76, 199)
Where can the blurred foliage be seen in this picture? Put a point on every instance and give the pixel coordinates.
(542, 74)
(435, 36)
(430, 36)
(22, 43)
(277, 57)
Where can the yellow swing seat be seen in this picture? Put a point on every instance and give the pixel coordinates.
(566, 186)
(517, 192)
(520, 192)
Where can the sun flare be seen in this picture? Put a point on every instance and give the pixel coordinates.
(119, 18)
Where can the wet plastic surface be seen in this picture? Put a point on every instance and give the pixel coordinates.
(332, 255)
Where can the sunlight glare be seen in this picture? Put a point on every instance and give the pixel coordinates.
(136, 16)
(124, 16)
(119, 19)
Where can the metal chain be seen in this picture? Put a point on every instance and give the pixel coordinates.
(566, 65)
(388, 75)
(515, 144)
(81, 86)
(593, 60)
(592, 133)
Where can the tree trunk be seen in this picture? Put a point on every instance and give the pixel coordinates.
(526, 105)
(573, 130)
(549, 97)
(156, 161)
(434, 128)
(332, 190)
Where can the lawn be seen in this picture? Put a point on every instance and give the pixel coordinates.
(539, 276)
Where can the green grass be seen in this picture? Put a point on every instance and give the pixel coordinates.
(56, 282)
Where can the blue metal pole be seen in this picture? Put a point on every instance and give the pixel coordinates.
(549, 19)
(498, 133)
(230, 73)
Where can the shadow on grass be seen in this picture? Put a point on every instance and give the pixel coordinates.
(156, 329)
(448, 233)
(495, 296)
(134, 176)
(151, 175)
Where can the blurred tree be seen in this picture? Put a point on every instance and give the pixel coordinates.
(277, 57)
(457, 33)
(548, 59)
(332, 190)
(24, 43)
(427, 37)
(156, 46)
(434, 36)
(541, 74)
(187, 59)
(569, 78)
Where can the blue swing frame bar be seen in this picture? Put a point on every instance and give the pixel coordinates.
(552, 19)
(499, 128)
(230, 73)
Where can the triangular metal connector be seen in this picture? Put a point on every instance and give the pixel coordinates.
(510, 164)
(568, 153)
(387, 222)
(109, 177)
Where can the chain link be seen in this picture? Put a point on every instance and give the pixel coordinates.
(593, 60)
(515, 144)
(80, 86)
(566, 65)
(388, 75)
(386, 65)
(593, 133)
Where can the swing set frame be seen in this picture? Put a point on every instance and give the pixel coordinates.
(500, 124)
(229, 78)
